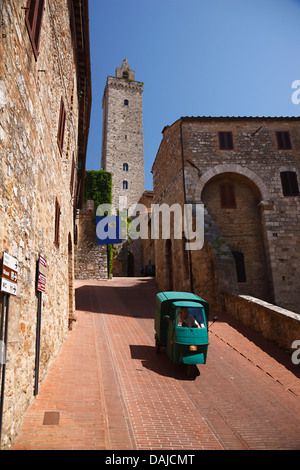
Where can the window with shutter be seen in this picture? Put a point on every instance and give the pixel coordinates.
(225, 141)
(57, 223)
(61, 126)
(227, 196)
(283, 140)
(289, 183)
(33, 19)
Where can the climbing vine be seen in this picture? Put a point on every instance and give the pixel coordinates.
(98, 187)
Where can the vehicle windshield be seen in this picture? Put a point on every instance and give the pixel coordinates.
(190, 317)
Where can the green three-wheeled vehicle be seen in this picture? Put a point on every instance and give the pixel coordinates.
(181, 325)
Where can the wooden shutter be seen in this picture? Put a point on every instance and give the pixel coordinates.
(283, 140)
(61, 126)
(57, 223)
(225, 141)
(227, 196)
(289, 183)
(33, 19)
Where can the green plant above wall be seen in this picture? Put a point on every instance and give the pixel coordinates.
(98, 187)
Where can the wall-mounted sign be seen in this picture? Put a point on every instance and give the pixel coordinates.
(10, 267)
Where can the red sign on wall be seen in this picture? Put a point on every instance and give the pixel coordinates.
(42, 272)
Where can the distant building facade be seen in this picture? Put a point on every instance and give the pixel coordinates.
(122, 134)
(45, 101)
(245, 171)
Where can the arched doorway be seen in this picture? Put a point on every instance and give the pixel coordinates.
(232, 201)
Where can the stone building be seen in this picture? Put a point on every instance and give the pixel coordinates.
(123, 154)
(245, 171)
(45, 100)
(122, 135)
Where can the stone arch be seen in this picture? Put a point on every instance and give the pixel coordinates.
(231, 168)
(238, 217)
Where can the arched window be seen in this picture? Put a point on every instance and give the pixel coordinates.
(126, 102)
(125, 184)
(125, 75)
(240, 266)
(125, 166)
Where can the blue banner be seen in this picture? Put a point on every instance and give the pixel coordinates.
(108, 230)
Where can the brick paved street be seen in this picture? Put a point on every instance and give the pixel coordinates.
(113, 391)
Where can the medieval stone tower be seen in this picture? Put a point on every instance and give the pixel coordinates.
(122, 135)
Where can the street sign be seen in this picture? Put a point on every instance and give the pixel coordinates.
(42, 272)
(9, 274)
(10, 262)
(41, 286)
(8, 287)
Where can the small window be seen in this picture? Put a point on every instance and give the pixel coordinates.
(225, 141)
(240, 266)
(33, 20)
(289, 183)
(283, 140)
(125, 75)
(61, 126)
(57, 223)
(126, 102)
(227, 196)
(125, 185)
(125, 166)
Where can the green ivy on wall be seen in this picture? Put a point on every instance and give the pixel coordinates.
(98, 187)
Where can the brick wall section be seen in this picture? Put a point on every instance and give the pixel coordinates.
(34, 173)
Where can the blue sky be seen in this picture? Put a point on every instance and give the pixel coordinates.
(196, 58)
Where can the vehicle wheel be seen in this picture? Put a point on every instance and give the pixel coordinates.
(190, 370)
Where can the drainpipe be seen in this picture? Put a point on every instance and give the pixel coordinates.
(185, 202)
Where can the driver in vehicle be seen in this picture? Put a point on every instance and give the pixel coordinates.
(186, 320)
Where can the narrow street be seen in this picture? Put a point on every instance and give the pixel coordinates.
(111, 390)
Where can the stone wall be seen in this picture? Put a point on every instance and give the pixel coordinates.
(35, 174)
(276, 324)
